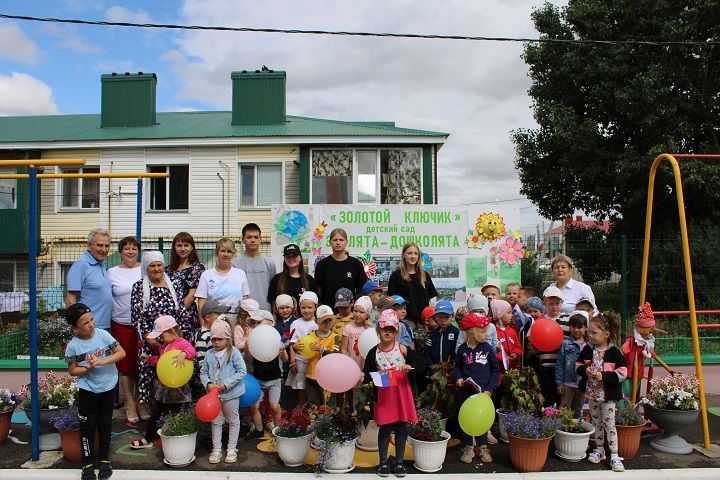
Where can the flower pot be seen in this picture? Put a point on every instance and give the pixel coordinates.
(71, 442)
(671, 422)
(429, 456)
(339, 456)
(628, 440)
(5, 418)
(571, 447)
(292, 451)
(528, 454)
(501, 412)
(368, 439)
(178, 450)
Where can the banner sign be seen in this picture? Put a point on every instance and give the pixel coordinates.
(463, 246)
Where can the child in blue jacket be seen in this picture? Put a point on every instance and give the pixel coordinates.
(565, 376)
(224, 368)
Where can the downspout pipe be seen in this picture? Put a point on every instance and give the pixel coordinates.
(227, 192)
(222, 196)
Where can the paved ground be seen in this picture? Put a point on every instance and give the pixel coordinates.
(250, 459)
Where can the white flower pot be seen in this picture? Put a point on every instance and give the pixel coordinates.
(292, 451)
(340, 457)
(572, 446)
(178, 450)
(429, 456)
(368, 439)
(501, 412)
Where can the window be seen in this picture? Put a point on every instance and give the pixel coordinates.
(64, 269)
(7, 276)
(377, 176)
(261, 185)
(80, 192)
(169, 193)
(8, 190)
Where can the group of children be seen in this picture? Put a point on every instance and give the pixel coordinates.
(493, 336)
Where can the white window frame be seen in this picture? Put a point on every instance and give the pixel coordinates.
(61, 184)
(59, 280)
(255, 206)
(14, 272)
(147, 189)
(378, 179)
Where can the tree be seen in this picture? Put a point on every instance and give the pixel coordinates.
(592, 254)
(606, 110)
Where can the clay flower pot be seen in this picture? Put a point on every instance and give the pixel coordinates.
(528, 454)
(628, 440)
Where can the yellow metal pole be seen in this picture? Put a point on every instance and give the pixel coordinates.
(105, 175)
(14, 176)
(688, 275)
(42, 163)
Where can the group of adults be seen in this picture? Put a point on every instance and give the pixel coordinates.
(126, 299)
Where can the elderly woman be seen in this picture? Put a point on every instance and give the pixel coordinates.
(573, 290)
(184, 272)
(151, 297)
(123, 277)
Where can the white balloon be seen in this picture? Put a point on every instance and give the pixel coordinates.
(264, 343)
(367, 340)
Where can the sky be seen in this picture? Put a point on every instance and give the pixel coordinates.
(476, 91)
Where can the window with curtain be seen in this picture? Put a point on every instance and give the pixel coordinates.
(260, 185)
(83, 193)
(332, 176)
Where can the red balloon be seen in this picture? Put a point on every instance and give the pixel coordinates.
(546, 335)
(208, 407)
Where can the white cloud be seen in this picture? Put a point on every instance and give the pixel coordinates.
(15, 45)
(23, 94)
(122, 14)
(73, 41)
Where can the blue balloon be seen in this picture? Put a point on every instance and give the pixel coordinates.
(252, 394)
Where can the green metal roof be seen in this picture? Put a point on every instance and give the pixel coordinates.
(188, 125)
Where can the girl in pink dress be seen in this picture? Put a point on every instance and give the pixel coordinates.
(395, 406)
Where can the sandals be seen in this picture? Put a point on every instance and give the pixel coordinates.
(140, 444)
(231, 455)
(142, 410)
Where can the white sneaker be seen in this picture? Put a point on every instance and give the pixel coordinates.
(596, 457)
(215, 456)
(491, 438)
(617, 465)
(231, 455)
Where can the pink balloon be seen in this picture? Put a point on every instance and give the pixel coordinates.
(337, 373)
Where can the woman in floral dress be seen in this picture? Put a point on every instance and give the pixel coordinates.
(184, 272)
(151, 297)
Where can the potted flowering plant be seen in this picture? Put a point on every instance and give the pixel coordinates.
(67, 422)
(178, 435)
(572, 435)
(55, 392)
(429, 440)
(364, 397)
(628, 423)
(292, 436)
(440, 393)
(8, 402)
(672, 404)
(338, 432)
(522, 393)
(529, 435)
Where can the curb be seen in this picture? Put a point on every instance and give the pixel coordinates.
(68, 474)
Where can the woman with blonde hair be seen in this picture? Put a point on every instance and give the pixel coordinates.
(338, 270)
(224, 283)
(412, 282)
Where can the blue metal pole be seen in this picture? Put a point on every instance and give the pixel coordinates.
(138, 213)
(32, 280)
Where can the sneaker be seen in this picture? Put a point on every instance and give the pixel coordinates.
(269, 426)
(215, 456)
(484, 453)
(104, 469)
(254, 433)
(231, 455)
(383, 471)
(88, 472)
(617, 465)
(467, 455)
(400, 470)
(596, 457)
(491, 438)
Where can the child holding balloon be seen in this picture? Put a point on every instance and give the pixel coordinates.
(320, 342)
(167, 399)
(395, 406)
(475, 361)
(224, 368)
(602, 369)
(298, 329)
(285, 310)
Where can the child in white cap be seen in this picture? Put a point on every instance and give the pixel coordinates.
(299, 328)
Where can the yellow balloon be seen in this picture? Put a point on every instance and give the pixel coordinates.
(476, 415)
(305, 349)
(170, 375)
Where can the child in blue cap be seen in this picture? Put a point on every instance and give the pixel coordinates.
(441, 343)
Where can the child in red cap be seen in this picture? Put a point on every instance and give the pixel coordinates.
(475, 360)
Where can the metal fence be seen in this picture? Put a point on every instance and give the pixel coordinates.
(612, 268)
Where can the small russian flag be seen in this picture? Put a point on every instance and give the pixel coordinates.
(388, 378)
